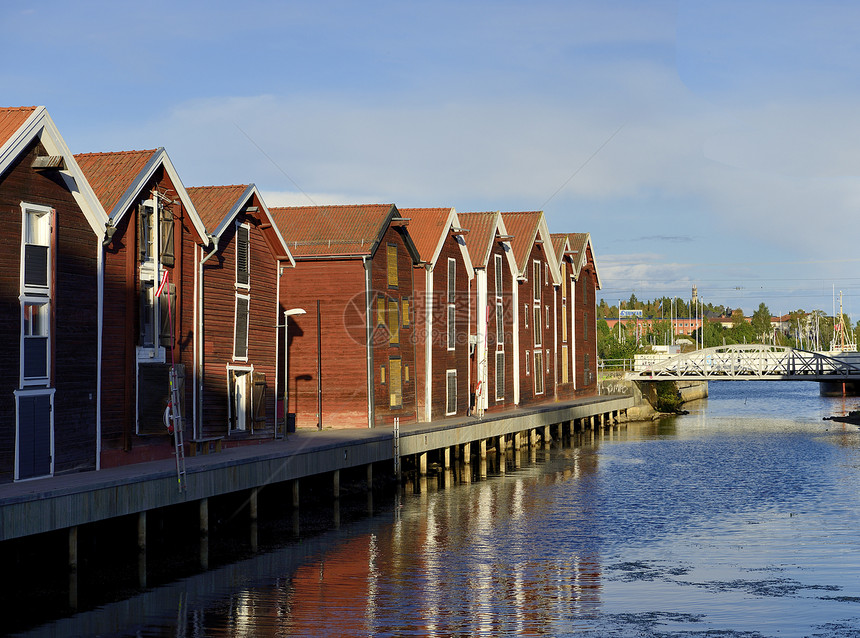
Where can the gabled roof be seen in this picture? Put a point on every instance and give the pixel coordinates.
(429, 228)
(484, 230)
(118, 179)
(218, 206)
(19, 127)
(527, 228)
(580, 246)
(348, 231)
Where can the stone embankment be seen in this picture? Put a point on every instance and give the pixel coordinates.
(645, 395)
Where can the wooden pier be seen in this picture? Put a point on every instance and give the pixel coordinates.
(67, 501)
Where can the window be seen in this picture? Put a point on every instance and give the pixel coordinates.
(392, 266)
(537, 326)
(381, 308)
(547, 359)
(500, 376)
(587, 367)
(240, 399)
(564, 364)
(451, 392)
(240, 335)
(528, 362)
(243, 255)
(500, 326)
(405, 374)
(536, 279)
(404, 317)
(546, 314)
(450, 297)
(563, 317)
(564, 280)
(499, 274)
(37, 248)
(35, 329)
(147, 314)
(585, 326)
(146, 225)
(167, 310)
(382, 375)
(538, 372)
(526, 316)
(395, 389)
(452, 333)
(393, 322)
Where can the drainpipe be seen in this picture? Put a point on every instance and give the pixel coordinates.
(369, 339)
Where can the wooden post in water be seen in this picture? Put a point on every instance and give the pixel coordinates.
(422, 464)
(335, 484)
(295, 493)
(467, 453)
(252, 505)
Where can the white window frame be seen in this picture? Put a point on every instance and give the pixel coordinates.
(44, 304)
(448, 375)
(539, 374)
(450, 299)
(45, 216)
(248, 373)
(149, 272)
(247, 326)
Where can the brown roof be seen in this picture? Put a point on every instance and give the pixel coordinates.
(524, 227)
(328, 231)
(214, 203)
(482, 232)
(559, 241)
(426, 227)
(11, 119)
(111, 174)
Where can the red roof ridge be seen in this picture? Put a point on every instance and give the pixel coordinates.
(95, 153)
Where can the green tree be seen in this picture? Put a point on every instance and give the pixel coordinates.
(760, 323)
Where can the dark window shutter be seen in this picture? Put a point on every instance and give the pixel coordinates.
(240, 343)
(34, 436)
(143, 223)
(167, 311)
(35, 265)
(259, 399)
(500, 376)
(242, 256)
(166, 244)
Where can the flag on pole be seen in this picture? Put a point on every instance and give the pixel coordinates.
(161, 286)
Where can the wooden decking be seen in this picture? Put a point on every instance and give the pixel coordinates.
(44, 505)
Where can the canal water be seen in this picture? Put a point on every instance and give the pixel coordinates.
(741, 518)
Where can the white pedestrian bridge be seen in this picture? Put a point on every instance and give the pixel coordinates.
(750, 362)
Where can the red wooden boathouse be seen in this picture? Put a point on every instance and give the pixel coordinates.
(350, 348)
(442, 313)
(239, 299)
(153, 230)
(50, 260)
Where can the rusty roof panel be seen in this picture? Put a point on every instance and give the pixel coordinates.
(328, 231)
(110, 174)
(427, 227)
(12, 119)
(214, 203)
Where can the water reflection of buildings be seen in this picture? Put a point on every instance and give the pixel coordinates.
(515, 554)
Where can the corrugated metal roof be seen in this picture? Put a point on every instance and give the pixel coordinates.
(11, 119)
(110, 174)
(427, 226)
(214, 203)
(328, 231)
(482, 233)
(524, 227)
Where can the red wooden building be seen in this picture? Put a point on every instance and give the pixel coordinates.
(50, 260)
(534, 299)
(237, 363)
(493, 316)
(153, 230)
(583, 299)
(350, 356)
(442, 313)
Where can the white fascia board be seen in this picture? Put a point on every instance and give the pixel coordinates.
(454, 222)
(274, 225)
(183, 195)
(40, 125)
(552, 260)
(502, 231)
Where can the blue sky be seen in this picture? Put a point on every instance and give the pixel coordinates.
(715, 143)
